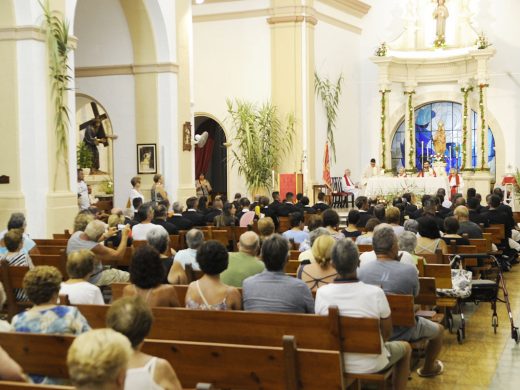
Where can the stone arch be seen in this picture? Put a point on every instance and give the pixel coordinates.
(397, 116)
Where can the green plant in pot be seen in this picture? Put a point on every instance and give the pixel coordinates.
(261, 139)
(84, 156)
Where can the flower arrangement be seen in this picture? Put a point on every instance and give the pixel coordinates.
(382, 50)
(411, 135)
(437, 157)
(107, 187)
(482, 42)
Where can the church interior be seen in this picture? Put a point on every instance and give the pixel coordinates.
(168, 101)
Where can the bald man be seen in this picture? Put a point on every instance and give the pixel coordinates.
(244, 263)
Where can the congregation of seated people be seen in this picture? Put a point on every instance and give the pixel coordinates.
(248, 274)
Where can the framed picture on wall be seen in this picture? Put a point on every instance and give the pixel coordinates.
(146, 158)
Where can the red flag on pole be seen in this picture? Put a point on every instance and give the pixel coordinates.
(326, 167)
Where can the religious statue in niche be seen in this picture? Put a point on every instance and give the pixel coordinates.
(186, 136)
(440, 15)
(439, 140)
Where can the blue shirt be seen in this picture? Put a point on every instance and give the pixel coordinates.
(276, 292)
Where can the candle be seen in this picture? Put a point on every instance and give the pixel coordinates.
(422, 152)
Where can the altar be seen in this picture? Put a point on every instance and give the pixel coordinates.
(383, 186)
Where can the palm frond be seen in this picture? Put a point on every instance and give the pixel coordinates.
(262, 139)
(329, 94)
(57, 33)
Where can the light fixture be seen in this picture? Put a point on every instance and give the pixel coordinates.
(199, 1)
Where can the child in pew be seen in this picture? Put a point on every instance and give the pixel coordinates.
(42, 285)
(98, 360)
(80, 266)
(209, 293)
(133, 318)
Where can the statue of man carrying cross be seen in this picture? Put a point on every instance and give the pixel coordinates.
(94, 135)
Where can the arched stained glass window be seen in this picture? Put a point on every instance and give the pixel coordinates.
(427, 119)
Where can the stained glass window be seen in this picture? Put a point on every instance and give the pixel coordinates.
(427, 120)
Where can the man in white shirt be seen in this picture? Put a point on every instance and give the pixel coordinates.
(83, 198)
(427, 171)
(145, 216)
(371, 171)
(357, 299)
(348, 185)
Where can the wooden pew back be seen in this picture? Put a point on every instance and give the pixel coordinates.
(11, 278)
(311, 331)
(51, 242)
(58, 261)
(260, 367)
(402, 309)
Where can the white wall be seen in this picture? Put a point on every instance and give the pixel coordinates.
(336, 53)
(117, 95)
(232, 59)
(102, 32)
(498, 21)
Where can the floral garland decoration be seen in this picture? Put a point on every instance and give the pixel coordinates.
(383, 120)
(411, 162)
(466, 92)
(483, 125)
(382, 50)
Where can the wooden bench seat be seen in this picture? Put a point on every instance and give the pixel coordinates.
(258, 367)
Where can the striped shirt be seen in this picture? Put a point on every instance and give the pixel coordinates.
(19, 259)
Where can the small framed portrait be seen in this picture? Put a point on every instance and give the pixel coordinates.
(146, 158)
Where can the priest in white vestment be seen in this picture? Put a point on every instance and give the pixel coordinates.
(348, 185)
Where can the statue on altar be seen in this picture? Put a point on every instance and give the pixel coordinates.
(439, 140)
(440, 15)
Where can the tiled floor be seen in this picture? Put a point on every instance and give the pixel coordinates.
(484, 360)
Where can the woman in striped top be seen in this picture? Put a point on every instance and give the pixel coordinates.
(16, 256)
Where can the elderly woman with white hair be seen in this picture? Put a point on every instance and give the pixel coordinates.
(98, 360)
(89, 239)
(159, 239)
(407, 243)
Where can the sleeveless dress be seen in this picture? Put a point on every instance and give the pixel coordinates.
(191, 304)
(142, 378)
(314, 282)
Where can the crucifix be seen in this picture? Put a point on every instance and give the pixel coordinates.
(94, 135)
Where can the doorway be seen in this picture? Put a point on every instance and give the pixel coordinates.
(211, 158)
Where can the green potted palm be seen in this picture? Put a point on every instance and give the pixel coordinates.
(84, 157)
(261, 140)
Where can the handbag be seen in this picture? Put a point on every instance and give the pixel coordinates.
(461, 281)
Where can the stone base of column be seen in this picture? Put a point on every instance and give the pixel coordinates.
(62, 208)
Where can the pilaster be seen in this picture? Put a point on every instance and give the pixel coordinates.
(292, 75)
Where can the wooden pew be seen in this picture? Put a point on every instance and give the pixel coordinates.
(284, 224)
(8, 385)
(262, 367)
(291, 267)
(402, 308)
(51, 242)
(293, 255)
(58, 261)
(175, 242)
(139, 243)
(63, 236)
(365, 248)
(180, 290)
(11, 278)
(51, 250)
